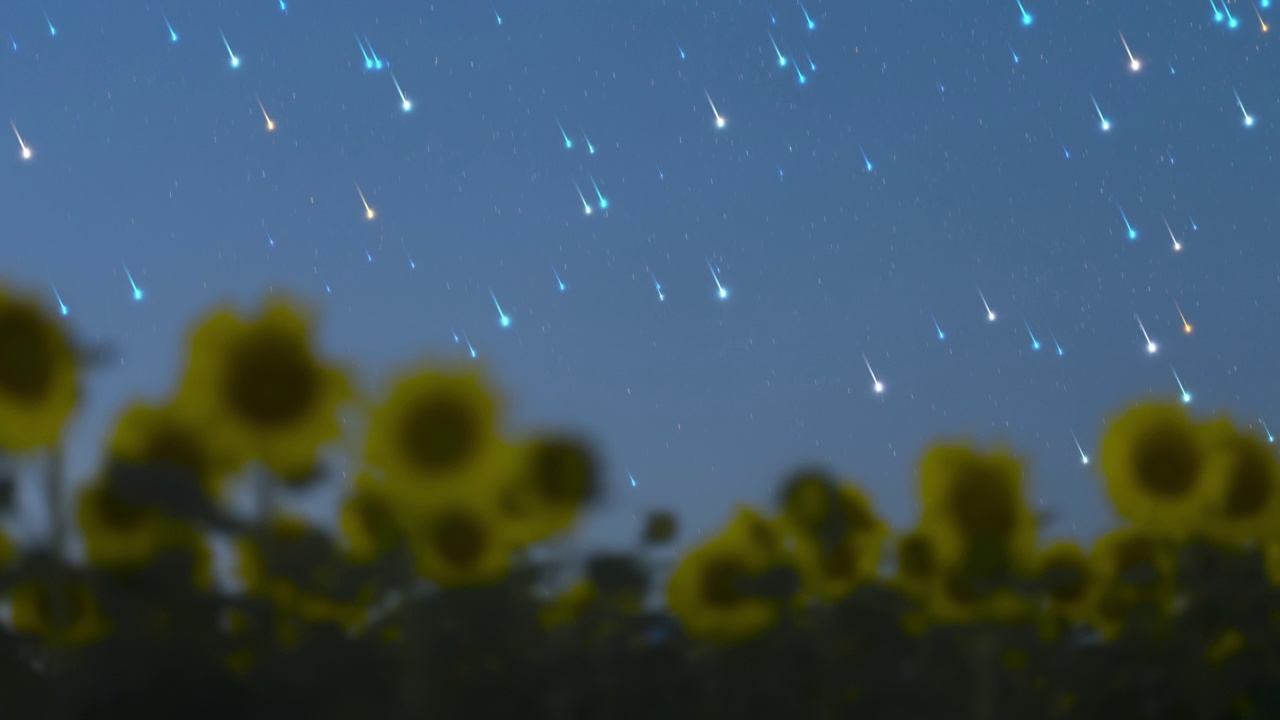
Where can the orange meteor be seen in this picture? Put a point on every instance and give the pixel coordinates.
(271, 125)
(1186, 326)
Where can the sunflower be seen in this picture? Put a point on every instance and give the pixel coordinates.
(714, 590)
(368, 525)
(259, 382)
(808, 501)
(120, 535)
(62, 613)
(1064, 574)
(917, 563)
(1132, 567)
(568, 605)
(460, 542)
(1244, 486)
(957, 597)
(832, 565)
(168, 436)
(552, 479)
(1154, 461)
(974, 505)
(435, 437)
(37, 376)
(660, 527)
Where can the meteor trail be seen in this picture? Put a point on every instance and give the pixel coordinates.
(503, 320)
(235, 61)
(1134, 64)
(412, 265)
(368, 211)
(1056, 345)
(173, 36)
(137, 292)
(591, 149)
(800, 77)
(1035, 344)
(631, 478)
(1270, 438)
(1084, 459)
(1065, 153)
(568, 144)
(808, 21)
(52, 30)
(368, 61)
(1014, 53)
(876, 385)
(1194, 226)
(941, 335)
(495, 13)
(586, 207)
(1217, 14)
(782, 59)
(657, 286)
(470, 349)
(1186, 396)
(720, 121)
(680, 48)
(1261, 22)
(1232, 22)
(405, 105)
(1133, 234)
(271, 125)
(25, 150)
(1106, 124)
(377, 61)
(559, 282)
(721, 290)
(604, 202)
(991, 316)
(1176, 245)
(865, 160)
(812, 66)
(1248, 119)
(1151, 346)
(1026, 16)
(62, 307)
(1186, 326)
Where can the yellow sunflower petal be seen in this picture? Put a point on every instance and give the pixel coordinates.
(119, 535)
(460, 542)
(147, 434)
(37, 376)
(1243, 479)
(64, 613)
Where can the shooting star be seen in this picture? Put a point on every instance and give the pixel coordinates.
(173, 36)
(368, 61)
(1151, 346)
(26, 150)
(62, 307)
(271, 124)
(471, 349)
(782, 59)
(235, 61)
(1026, 16)
(631, 477)
(1133, 234)
(866, 161)
(991, 316)
(137, 292)
(1103, 121)
(721, 290)
(720, 121)
(568, 144)
(941, 335)
(604, 201)
(405, 104)
(1248, 119)
(876, 385)
(657, 286)
(1084, 459)
(586, 207)
(52, 30)
(1177, 246)
(808, 21)
(1186, 326)
(369, 214)
(1186, 396)
(1056, 345)
(503, 319)
(378, 64)
(495, 13)
(559, 282)
(1134, 63)
(1270, 438)
(1217, 14)
(1035, 344)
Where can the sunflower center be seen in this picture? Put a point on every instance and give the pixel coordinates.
(460, 539)
(175, 447)
(26, 355)
(720, 580)
(980, 506)
(271, 380)
(440, 434)
(561, 473)
(841, 563)
(1250, 484)
(1166, 462)
(915, 556)
(1070, 582)
(118, 515)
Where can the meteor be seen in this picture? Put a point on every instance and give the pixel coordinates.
(586, 208)
(412, 265)
(604, 201)
(368, 256)
(1035, 344)
(559, 282)
(1014, 53)
(377, 61)
(270, 240)
(368, 61)
(720, 121)
(865, 160)
(470, 349)
(807, 20)
(1186, 326)
(591, 149)
(812, 66)
(1248, 119)
(1186, 396)
(657, 286)
(680, 48)
(405, 105)
(1134, 64)
(368, 211)
(1176, 245)
(1056, 345)
(1133, 234)
(1232, 22)
(495, 13)
(173, 36)
(876, 385)
(631, 477)
(773, 19)
(1171, 70)
(782, 59)
(62, 307)
(52, 30)
(721, 290)
(1217, 14)
(25, 150)
(1106, 124)
(661, 175)
(235, 61)
(1084, 459)
(1270, 438)
(1194, 226)
(800, 77)
(1065, 153)
(568, 144)
(991, 316)
(1261, 22)
(137, 292)
(503, 320)
(284, 8)
(271, 125)
(1151, 346)
(13, 42)
(941, 335)
(1026, 16)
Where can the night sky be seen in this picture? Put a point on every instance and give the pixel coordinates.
(882, 173)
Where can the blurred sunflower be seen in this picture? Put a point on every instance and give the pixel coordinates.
(62, 613)
(368, 525)
(1131, 567)
(1064, 574)
(832, 565)
(259, 382)
(552, 479)
(808, 501)
(660, 527)
(460, 542)
(1243, 479)
(37, 376)
(917, 564)
(168, 436)
(718, 591)
(973, 504)
(1154, 459)
(435, 437)
(956, 597)
(121, 535)
(568, 605)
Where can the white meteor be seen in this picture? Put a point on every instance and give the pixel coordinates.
(586, 207)
(235, 60)
(991, 316)
(721, 290)
(1134, 64)
(875, 382)
(720, 121)
(1176, 245)
(26, 151)
(1084, 459)
(405, 104)
(1248, 119)
(1151, 346)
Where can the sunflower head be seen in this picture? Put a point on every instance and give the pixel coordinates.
(122, 535)
(61, 613)
(551, 480)
(807, 500)
(260, 382)
(917, 562)
(1154, 459)
(1064, 575)
(369, 526)
(660, 527)
(1133, 566)
(1243, 479)
(460, 542)
(168, 438)
(37, 376)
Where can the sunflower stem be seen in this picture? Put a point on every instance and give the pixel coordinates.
(413, 692)
(982, 674)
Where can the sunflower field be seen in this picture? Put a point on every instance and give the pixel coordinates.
(447, 588)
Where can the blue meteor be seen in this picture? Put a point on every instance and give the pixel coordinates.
(800, 77)
(1217, 14)
(773, 19)
(412, 265)
(1035, 344)
(559, 282)
(368, 61)
(568, 144)
(1026, 16)
(1232, 22)
(495, 13)
(1194, 226)
(503, 320)
(173, 36)
(13, 42)
(1270, 438)
(1056, 345)
(657, 286)
(681, 49)
(405, 103)
(812, 66)
(1186, 396)
(235, 61)
(456, 339)
(591, 149)
(470, 349)
(284, 8)
(631, 478)
(1065, 153)
(782, 59)
(1106, 124)
(137, 292)
(1133, 234)
(865, 159)
(941, 335)
(377, 61)
(52, 30)
(807, 20)
(722, 291)
(62, 307)
(1014, 53)
(604, 201)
